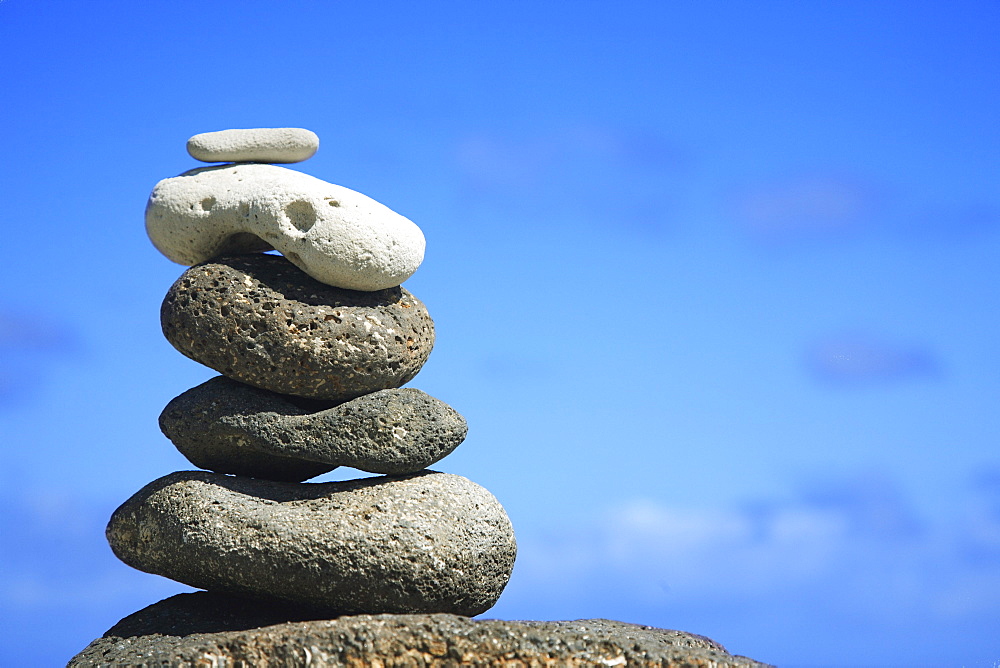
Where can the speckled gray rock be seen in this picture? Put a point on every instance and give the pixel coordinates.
(229, 427)
(190, 630)
(427, 542)
(254, 145)
(260, 320)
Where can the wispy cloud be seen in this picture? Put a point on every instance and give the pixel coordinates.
(819, 205)
(857, 359)
(956, 222)
(625, 179)
(805, 206)
(499, 160)
(28, 340)
(852, 545)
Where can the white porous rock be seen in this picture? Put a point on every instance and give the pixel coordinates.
(254, 145)
(336, 235)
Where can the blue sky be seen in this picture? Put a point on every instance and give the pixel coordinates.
(715, 286)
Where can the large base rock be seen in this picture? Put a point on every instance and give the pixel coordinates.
(205, 629)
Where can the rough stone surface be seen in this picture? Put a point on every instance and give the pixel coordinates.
(254, 145)
(337, 236)
(229, 427)
(260, 320)
(427, 542)
(203, 629)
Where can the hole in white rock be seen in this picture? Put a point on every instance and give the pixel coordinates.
(301, 214)
(207, 203)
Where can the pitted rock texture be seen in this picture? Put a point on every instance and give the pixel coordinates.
(260, 320)
(196, 629)
(427, 542)
(337, 236)
(229, 427)
(254, 145)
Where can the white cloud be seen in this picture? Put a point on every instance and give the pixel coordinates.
(805, 205)
(604, 153)
(618, 178)
(854, 358)
(855, 551)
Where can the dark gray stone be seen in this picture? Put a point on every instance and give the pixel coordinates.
(427, 542)
(203, 629)
(229, 427)
(261, 320)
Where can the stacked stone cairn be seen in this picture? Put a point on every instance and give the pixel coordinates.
(313, 347)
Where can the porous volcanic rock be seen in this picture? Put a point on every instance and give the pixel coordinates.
(260, 320)
(230, 427)
(211, 629)
(334, 234)
(427, 542)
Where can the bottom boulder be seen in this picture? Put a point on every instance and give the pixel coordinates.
(206, 629)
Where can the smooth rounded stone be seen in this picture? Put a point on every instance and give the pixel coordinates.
(337, 236)
(427, 542)
(259, 320)
(203, 628)
(229, 427)
(254, 145)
